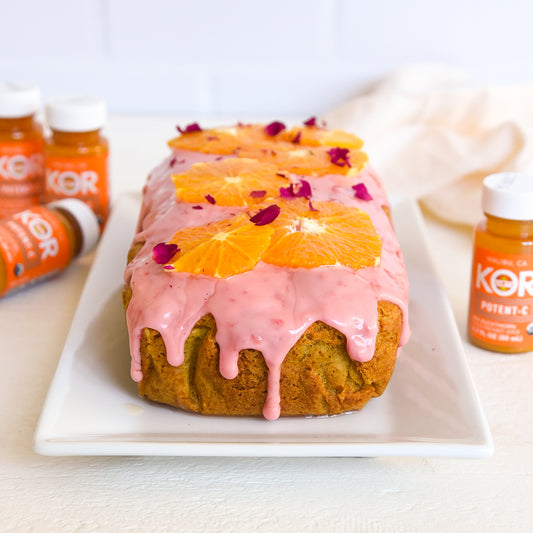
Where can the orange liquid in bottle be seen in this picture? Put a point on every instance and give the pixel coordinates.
(42, 240)
(501, 299)
(76, 154)
(21, 149)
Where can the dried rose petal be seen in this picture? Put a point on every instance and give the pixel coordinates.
(163, 252)
(266, 215)
(303, 190)
(310, 122)
(197, 207)
(190, 128)
(339, 156)
(274, 128)
(361, 192)
(257, 194)
(172, 162)
(297, 138)
(287, 192)
(168, 267)
(311, 207)
(210, 199)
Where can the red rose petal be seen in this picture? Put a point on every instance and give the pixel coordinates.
(210, 199)
(302, 190)
(361, 192)
(163, 252)
(266, 215)
(258, 194)
(339, 156)
(190, 128)
(274, 128)
(287, 192)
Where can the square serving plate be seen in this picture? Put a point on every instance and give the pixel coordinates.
(430, 407)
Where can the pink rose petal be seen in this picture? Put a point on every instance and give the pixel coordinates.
(361, 192)
(258, 194)
(266, 215)
(190, 128)
(163, 252)
(286, 192)
(274, 128)
(339, 156)
(302, 190)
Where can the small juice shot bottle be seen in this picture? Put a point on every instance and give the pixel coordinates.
(76, 153)
(42, 240)
(501, 297)
(21, 148)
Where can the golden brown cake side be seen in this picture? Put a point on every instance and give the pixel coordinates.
(318, 377)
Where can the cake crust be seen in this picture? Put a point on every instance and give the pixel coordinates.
(318, 377)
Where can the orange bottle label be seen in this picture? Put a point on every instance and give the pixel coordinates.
(21, 175)
(501, 304)
(84, 178)
(33, 244)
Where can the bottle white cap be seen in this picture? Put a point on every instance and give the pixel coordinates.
(86, 218)
(76, 113)
(18, 99)
(508, 195)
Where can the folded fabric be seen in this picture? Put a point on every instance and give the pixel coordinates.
(434, 134)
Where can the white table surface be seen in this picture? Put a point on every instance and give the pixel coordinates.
(39, 493)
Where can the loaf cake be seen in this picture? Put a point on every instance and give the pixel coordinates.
(265, 276)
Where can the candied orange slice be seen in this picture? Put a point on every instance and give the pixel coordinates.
(316, 136)
(221, 249)
(330, 234)
(235, 182)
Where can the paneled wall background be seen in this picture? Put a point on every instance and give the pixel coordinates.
(253, 57)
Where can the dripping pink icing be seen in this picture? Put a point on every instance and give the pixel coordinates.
(246, 313)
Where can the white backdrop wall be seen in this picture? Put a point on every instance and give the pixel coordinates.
(253, 57)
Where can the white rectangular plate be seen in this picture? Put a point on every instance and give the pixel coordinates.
(430, 407)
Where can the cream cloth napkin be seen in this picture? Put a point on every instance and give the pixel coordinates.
(434, 134)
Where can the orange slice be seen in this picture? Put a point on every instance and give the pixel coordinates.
(221, 249)
(333, 235)
(311, 161)
(234, 140)
(230, 182)
(315, 136)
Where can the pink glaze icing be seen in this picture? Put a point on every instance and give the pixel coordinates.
(269, 307)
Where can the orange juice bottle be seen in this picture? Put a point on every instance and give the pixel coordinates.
(501, 298)
(21, 148)
(43, 240)
(76, 153)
